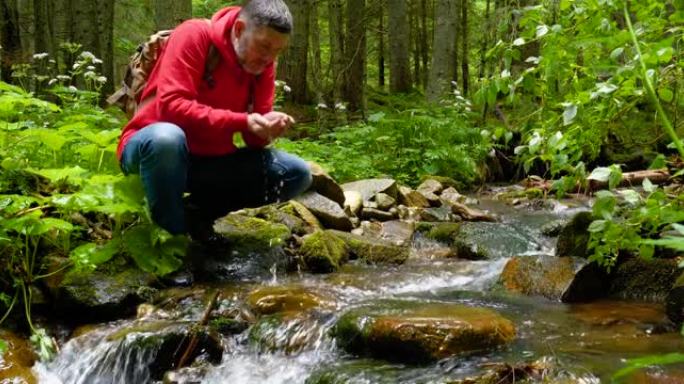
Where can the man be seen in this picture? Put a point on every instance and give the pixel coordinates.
(182, 137)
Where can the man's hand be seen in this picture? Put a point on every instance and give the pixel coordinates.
(260, 126)
(281, 122)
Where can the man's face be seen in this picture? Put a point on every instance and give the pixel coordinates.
(257, 46)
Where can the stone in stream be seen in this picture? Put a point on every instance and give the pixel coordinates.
(376, 214)
(553, 228)
(414, 332)
(412, 198)
(480, 240)
(370, 187)
(271, 300)
(284, 213)
(111, 292)
(323, 252)
(16, 362)
(430, 189)
(327, 211)
(384, 201)
(634, 278)
(442, 213)
(569, 279)
(246, 234)
(305, 214)
(674, 302)
(325, 185)
(288, 332)
(372, 250)
(574, 237)
(187, 375)
(353, 202)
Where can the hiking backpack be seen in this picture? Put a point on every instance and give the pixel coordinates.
(140, 67)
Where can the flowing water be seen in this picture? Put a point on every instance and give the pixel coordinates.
(584, 343)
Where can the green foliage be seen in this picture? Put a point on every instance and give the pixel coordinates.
(3, 347)
(626, 221)
(44, 344)
(405, 146)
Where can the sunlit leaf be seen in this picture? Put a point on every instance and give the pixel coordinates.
(600, 174)
(666, 95)
(519, 41)
(648, 185)
(542, 30)
(569, 114)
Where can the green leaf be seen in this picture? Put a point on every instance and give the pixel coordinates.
(54, 175)
(90, 255)
(3, 347)
(664, 54)
(648, 186)
(659, 162)
(666, 95)
(597, 226)
(679, 228)
(519, 41)
(631, 196)
(44, 345)
(160, 259)
(601, 174)
(646, 251)
(569, 114)
(617, 52)
(374, 118)
(542, 30)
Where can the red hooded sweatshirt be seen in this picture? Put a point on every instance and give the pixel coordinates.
(209, 116)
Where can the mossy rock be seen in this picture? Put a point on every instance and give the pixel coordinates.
(553, 228)
(271, 300)
(250, 234)
(111, 292)
(283, 213)
(447, 182)
(323, 252)
(443, 232)
(372, 250)
(574, 237)
(645, 280)
(414, 332)
(354, 371)
(286, 332)
(16, 362)
(674, 302)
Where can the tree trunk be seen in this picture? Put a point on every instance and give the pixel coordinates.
(41, 21)
(315, 42)
(443, 50)
(381, 48)
(356, 53)
(293, 64)
(85, 25)
(337, 49)
(465, 84)
(105, 17)
(485, 40)
(26, 28)
(398, 30)
(424, 44)
(9, 38)
(168, 14)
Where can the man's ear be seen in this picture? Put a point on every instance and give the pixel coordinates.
(240, 27)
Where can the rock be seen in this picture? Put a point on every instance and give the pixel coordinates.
(161, 343)
(412, 198)
(323, 252)
(354, 201)
(370, 204)
(370, 187)
(644, 280)
(548, 276)
(412, 332)
(446, 182)
(376, 214)
(289, 333)
(574, 237)
(250, 234)
(325, 185)
(16, 362)
(284, 213)
(437, 214)
(451, 195)
(398, 232)
(306, 215)
(187, 375)
(674, 302)
(467, 213)
(327, 211)
(113, 291)
(271, 300)
(385, 201)
(430, 189)
(373, 250)
(481, 240)
(409, 213)
(553, 228)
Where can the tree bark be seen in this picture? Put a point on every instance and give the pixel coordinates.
(337, 49)
(381, 49)
(41, 22)
(424, 43)
(85, 25)
(356, 53)
(292, 67)
(465, 83)
(105, 16)
(315, 43)
(9, 38)
(398, 30)
(443, 50)
(168, 14)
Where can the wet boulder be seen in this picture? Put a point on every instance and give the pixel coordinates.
(271, 300)
(674, 302)
(635, 278)
(285, 214)
(373, 250)
(187, 375)
(246, 234)
(385, 201)
(16, 362)
(569, 279)
(288, 332)
(553, 228)
(353, 202)
(376, 214)
(111, 292)
(323, 252)
(327, 211)
(370, 187)
(325, 185)
(574, 237)
(305, 214)
(412, 198)
(430, 189)
(438, 214)
(413, 332)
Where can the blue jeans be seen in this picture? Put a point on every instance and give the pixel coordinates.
(217, 184)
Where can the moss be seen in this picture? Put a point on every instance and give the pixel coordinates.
(444, 232)
(574, 237)
(424, 226)
(323, 252)
(251, 233)
(445, 181)
(228, 326)
(639, 279)
(270, 300)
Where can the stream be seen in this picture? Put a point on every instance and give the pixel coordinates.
(574, 343)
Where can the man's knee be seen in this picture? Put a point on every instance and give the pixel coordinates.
(166, 139)
(299, 176)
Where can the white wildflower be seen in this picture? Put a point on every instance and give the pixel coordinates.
(97, 61)
(63, 77)
(287, 88)
(87, 55)
(40, 56)
(76, 66)
(321, 106)
(52, 82)
(340, 106)
(505, 74)
(101, 79)
(72, 88)
(90, 68)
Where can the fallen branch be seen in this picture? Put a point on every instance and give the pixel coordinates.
(190, 349)
(629, 179)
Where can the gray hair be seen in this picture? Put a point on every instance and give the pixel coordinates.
(271, 13)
